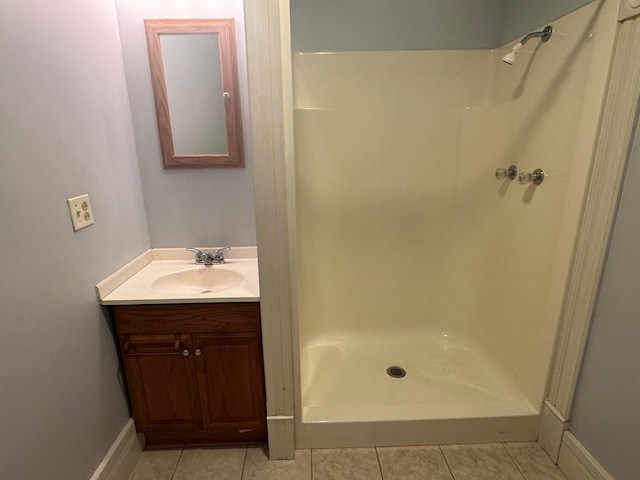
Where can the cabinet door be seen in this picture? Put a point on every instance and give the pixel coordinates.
(231, 381)
(160, 372)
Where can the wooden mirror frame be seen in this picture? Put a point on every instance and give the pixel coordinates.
(225, 28)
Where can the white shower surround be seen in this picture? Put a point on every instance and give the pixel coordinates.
(514, 321)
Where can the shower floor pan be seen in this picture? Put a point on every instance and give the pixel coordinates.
(452, 393)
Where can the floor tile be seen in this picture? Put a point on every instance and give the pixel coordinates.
(481, 462)
(533, 462)
(413, 463)
(345, 463)
(156, 465)
(259, 467)
(211, 463)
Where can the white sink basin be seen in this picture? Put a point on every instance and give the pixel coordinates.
(170, 276)
(197, 280)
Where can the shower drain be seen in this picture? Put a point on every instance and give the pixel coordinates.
(396, 372)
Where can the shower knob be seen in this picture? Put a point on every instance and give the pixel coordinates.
(501, 173)
(510, 173)
(536, 177)
(525, 177)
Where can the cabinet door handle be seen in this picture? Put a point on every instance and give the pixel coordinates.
(198, 352)
(185, 353)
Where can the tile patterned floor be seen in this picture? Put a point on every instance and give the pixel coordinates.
(517, 461)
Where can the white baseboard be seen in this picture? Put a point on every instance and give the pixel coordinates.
(577, 463)
(121, 458)
(281, 446)
(552, 427)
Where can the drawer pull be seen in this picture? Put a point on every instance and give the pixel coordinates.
(185, 352)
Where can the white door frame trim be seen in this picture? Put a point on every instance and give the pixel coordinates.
(271, 103)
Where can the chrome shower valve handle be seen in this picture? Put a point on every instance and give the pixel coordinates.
(536, 177)
(525, 178)
(510, 173)
(501, 173)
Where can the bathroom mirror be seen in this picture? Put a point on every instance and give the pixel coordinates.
(194, 75)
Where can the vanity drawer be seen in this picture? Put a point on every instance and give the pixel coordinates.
(163, 344)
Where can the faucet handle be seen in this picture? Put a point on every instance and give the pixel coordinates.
(199, 254)
(218, 256)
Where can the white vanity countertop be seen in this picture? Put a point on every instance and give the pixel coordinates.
(131, 285)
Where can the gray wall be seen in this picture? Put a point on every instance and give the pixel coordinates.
(186, 207)
(65, 129)
(394, 25)
(522, 16)
(339, 25)
(606, 417)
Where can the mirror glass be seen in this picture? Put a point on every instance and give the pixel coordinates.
(196, 105)
(195, 85)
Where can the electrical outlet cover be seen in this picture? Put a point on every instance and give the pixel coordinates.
(80, 211)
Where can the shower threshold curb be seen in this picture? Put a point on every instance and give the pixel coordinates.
(520, 428)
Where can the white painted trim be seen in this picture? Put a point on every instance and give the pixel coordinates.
(599, 212)
(577, 463)
(270, 97)
(628, 9)
(281, 431)
(122, 457)
(552, 427)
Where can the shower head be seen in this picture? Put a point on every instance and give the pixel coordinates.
(544, 34)
(511, 56)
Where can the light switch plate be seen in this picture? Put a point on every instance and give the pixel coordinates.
(80, 211)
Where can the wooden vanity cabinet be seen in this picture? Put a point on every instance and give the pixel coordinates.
(162, 382)
(194, 371)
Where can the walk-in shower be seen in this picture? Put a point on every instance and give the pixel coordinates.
(429, 286)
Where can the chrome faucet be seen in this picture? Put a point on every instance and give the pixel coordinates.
(215, 258)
